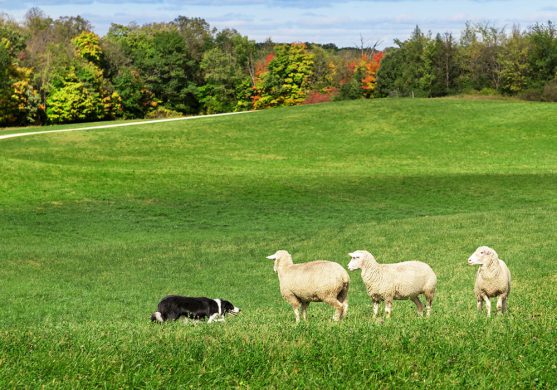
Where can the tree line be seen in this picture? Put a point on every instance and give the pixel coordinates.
(485, 60)
(59, 71)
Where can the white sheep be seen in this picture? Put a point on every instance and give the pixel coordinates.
(492, 280)
(315, 281)
(385, 282)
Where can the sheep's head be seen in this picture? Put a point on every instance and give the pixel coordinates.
(358, 259)
(484, 255)
(279, 257)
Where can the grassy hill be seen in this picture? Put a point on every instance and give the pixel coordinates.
(97, 226)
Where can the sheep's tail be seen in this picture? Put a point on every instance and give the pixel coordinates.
(342, 297)
(343, 294)
(430, 287)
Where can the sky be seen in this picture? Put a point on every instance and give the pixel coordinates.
(344, 23)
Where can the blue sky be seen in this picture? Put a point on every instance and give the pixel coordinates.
(339, 22)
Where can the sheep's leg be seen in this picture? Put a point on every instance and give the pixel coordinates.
(429, 302)
(375, 309)
(487, 305)
(479, 303)
(419, 305)
(502, 303)
(296, 312)
(295, 303)
(304, 310)
(499, 304)
(339, 308)
(344, 308)
(343, 298)
(388, 308)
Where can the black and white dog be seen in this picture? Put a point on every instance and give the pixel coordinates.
(173, 307)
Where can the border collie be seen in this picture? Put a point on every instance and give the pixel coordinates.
(173, 307)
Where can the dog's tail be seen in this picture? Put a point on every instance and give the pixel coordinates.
(157, 317)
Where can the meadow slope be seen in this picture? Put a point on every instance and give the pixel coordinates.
(97, 226)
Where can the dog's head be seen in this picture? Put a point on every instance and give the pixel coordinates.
(229, 308)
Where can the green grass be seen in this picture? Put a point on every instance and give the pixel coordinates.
(97, 226)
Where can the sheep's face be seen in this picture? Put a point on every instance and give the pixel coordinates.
(482, 256)
(278, 257)
(357, 260)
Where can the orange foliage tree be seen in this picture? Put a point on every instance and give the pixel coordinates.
(364, 72)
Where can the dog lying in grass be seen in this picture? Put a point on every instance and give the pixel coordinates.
(172, 307)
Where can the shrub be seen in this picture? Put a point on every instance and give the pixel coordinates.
(549, 93)
(532, 94)
(162, 112)
(315, 97)
(350, 90)
(74, 102)
(488, 92)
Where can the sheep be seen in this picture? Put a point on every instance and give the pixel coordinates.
(385, 282)
(493, 279)
(315, 281)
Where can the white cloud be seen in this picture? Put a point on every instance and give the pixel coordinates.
(323, 21)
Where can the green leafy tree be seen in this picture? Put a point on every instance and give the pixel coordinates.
(324, 74)
(83, 93)
(49, 50)
(442, 59)
(407, 70)
(88, 47)
(18, 98)
(135, 98)
(513, 58)
(481, 47)
(226, 69)
(388, 74)
(73, 102)
(163, 62)
(287, 78)
(542, 54)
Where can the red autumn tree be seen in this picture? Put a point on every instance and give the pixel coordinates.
(364, 72)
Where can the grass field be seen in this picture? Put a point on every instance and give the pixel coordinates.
(97, 226)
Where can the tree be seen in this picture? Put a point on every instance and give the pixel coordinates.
(136, 98)
(227, 69)
(442, 58)
(513, 58)
(542, 54)
(362, 82)
(18, 98)
(50, 51)
(481, 46)
(83, 93)
(161, 58)
(406, 70)
(285, 81)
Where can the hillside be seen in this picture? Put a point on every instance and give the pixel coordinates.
(97, 226)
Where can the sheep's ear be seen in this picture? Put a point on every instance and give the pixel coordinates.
(352, 254)
(272, 257)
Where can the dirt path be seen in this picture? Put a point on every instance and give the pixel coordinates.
(146, 122)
